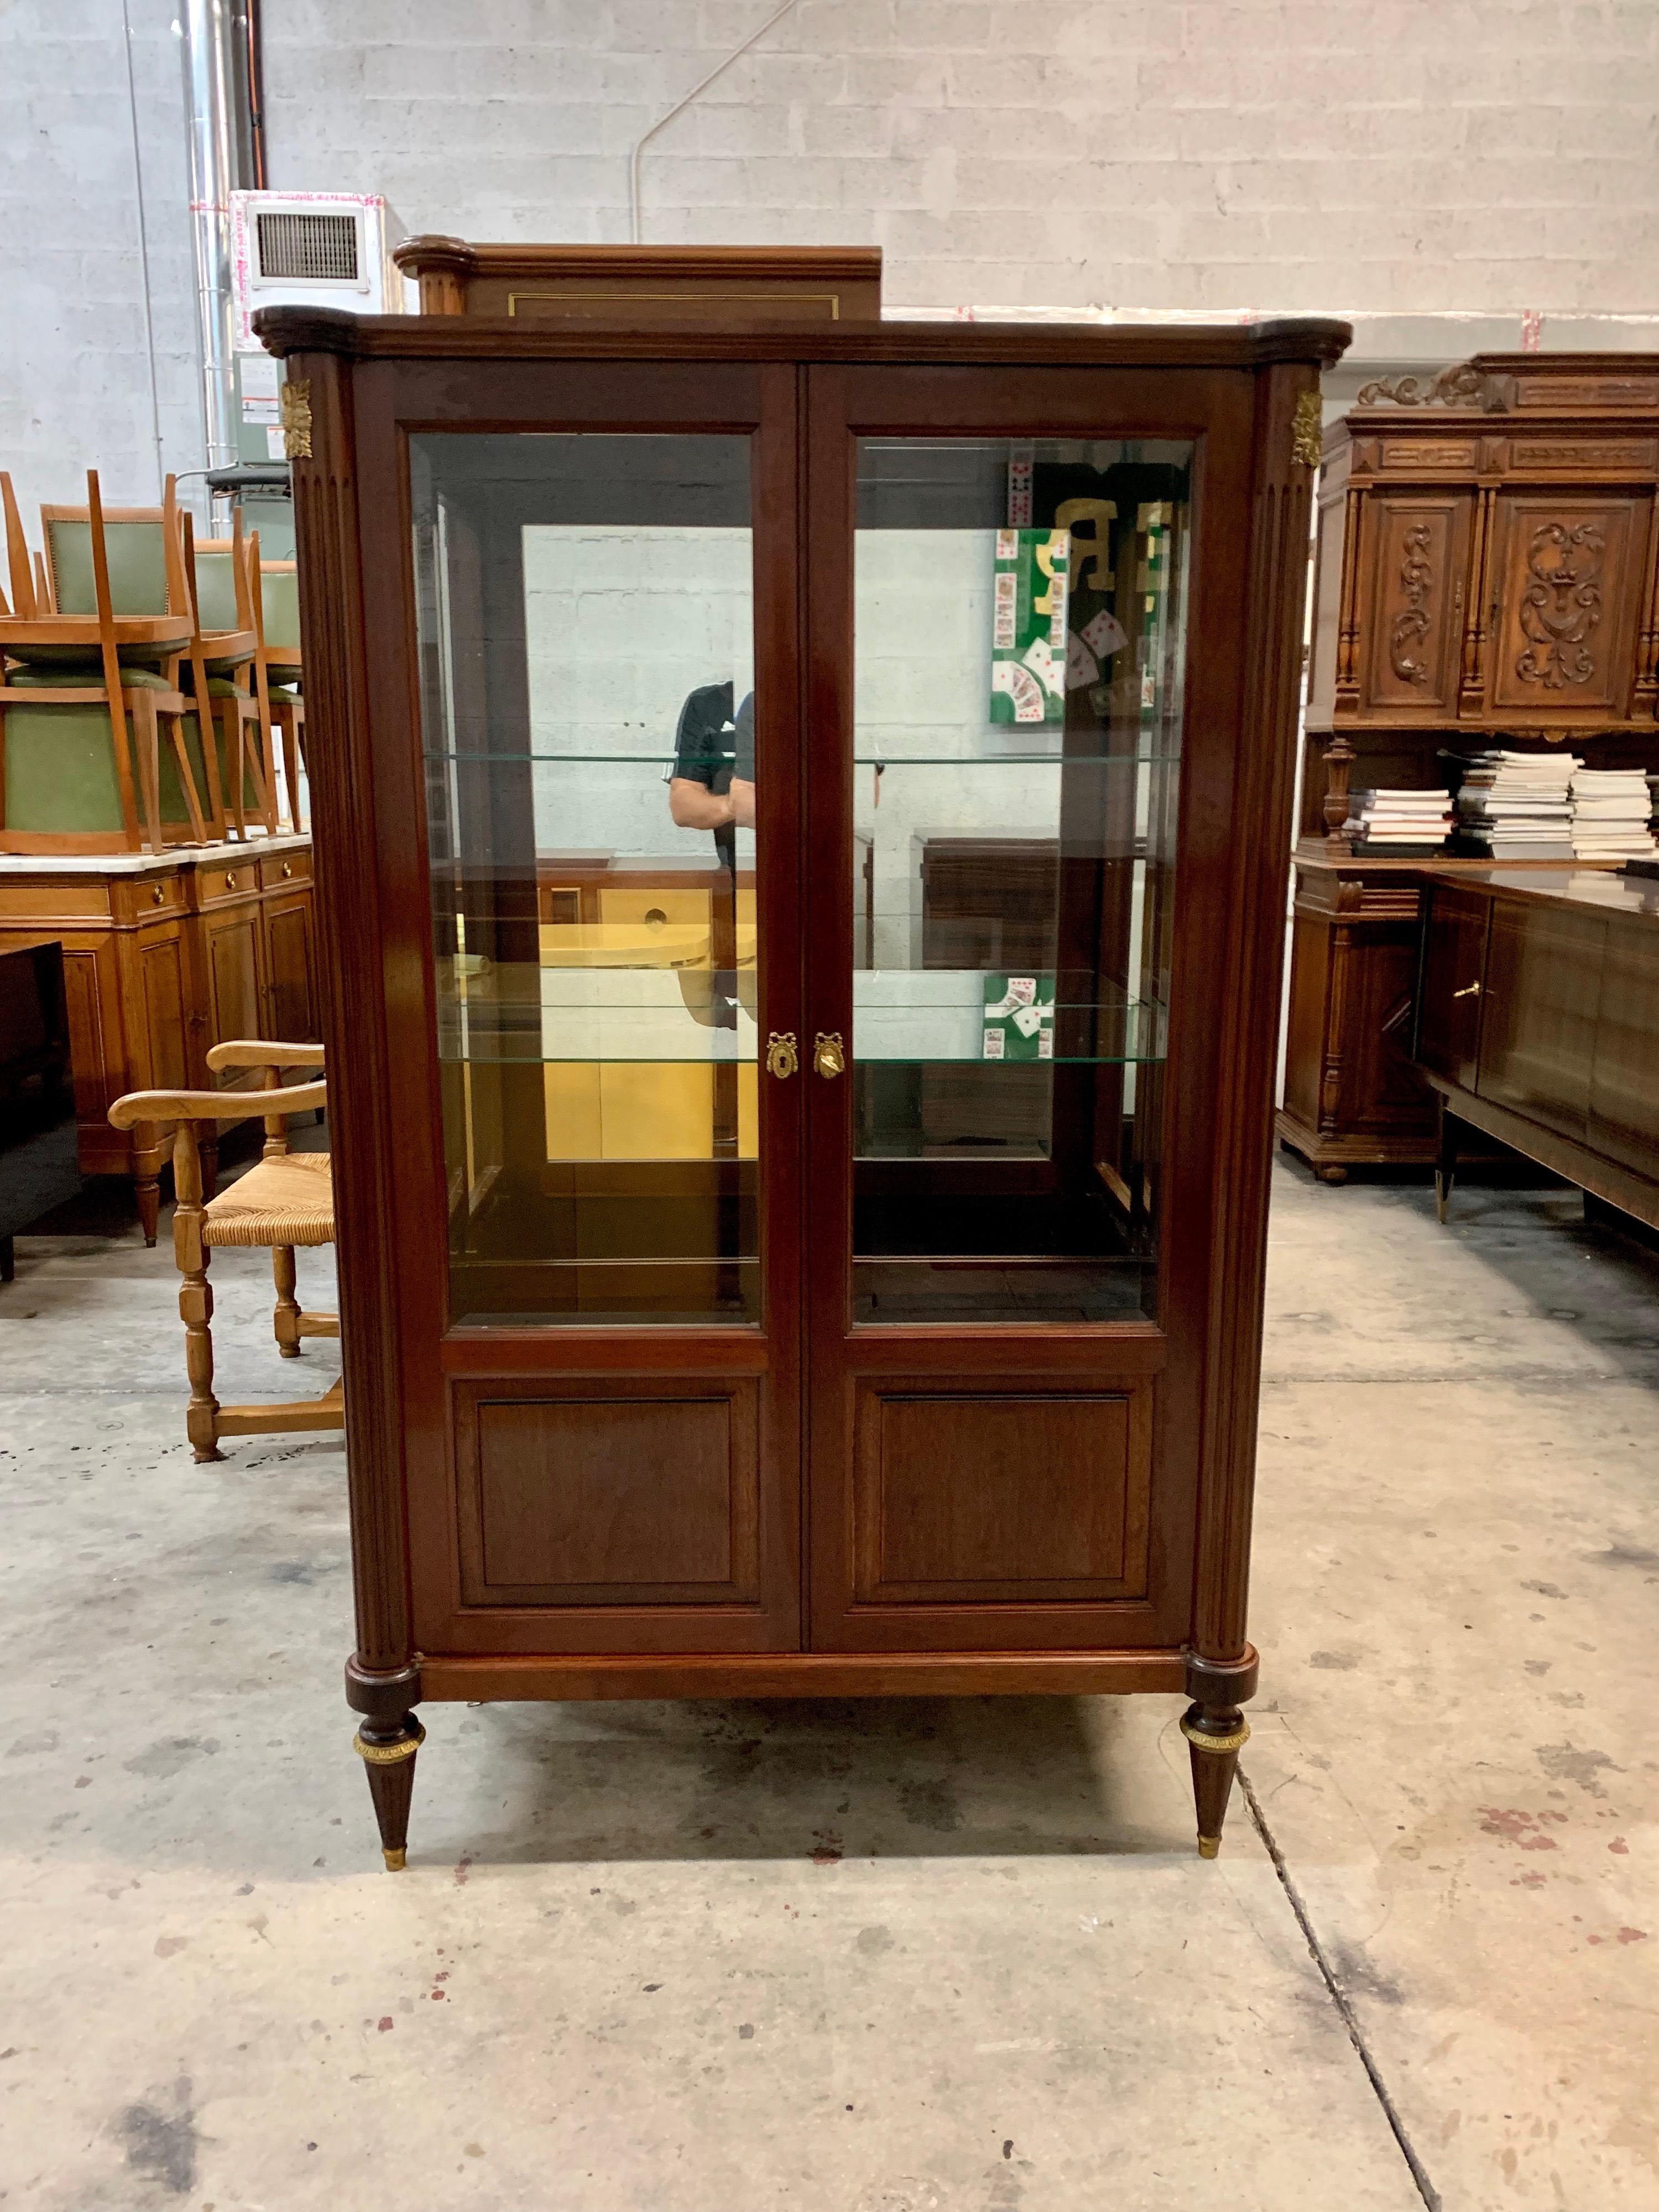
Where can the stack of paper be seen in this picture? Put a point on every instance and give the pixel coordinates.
(1404, 823)
(1610, 811)
(1517, 807)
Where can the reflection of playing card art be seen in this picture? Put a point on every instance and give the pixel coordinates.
(1028, 635)
(1019, 1017)
(1104, 636)
(1081, 667)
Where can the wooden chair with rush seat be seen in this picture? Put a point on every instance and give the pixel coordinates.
(92, 655)
(285, 1200)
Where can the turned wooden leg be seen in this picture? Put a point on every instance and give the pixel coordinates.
(386, 1741)
(388, 1749)
(195, 1295)
(1215, 1735)
(1445, 1161)
(286, 1317)
(147, 1190)
(209, 1154)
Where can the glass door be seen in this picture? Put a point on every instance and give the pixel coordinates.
(608, 754)
(991, 1322)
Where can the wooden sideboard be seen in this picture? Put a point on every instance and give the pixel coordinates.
(1537, 1023)
(1354, 1096)
(164, 955)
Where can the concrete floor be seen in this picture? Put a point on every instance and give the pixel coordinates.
(951, 1956)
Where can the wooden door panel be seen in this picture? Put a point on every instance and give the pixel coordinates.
(96, 1085)
(989, 1499)
(235, 977)
(291, 966)
(1415, 565)
(1624, 1101)
(620, 1499)
(160, 964)
(1380, 1090)
(1538, 1026)
(1568, 579)
(1454, 979)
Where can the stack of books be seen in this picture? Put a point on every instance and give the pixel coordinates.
(1517, 807)
(1408, 823)
(1610, 811)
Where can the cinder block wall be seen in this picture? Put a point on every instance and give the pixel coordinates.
(1383, 155)
(1387, 157)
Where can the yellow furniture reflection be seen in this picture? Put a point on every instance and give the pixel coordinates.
(643, 1109)
(653, 1109)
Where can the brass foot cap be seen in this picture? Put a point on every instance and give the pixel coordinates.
(1209, 1847)
(394, 1860)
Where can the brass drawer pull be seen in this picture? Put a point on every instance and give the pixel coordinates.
(288, 868)
(159, 896)
(828, 1057)
(230, 881)
(782, 1059)
(1469, 991)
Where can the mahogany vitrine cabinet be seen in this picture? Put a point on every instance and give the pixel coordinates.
(834, 1265)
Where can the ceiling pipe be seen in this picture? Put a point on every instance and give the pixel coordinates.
(679, 108)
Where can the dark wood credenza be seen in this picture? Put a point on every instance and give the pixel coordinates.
(1537, 1023)
(164, 955)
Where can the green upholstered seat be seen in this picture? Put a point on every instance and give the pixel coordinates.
(85, 672)
(60, 763)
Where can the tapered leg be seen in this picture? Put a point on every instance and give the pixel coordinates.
(388, 1749)
(288, 1306)
(148, 1191)
(1445, 1160)
(1215, 1735)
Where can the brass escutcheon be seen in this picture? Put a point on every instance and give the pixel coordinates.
(828, 1057)
(781, 1058)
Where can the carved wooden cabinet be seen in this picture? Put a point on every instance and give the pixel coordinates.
(1484, 573)
(704, 1334)
(165, 956)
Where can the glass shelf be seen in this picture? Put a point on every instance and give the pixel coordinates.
(1139, 758)
(521, 1014)
(516, 1051)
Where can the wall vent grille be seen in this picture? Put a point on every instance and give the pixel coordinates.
(307, 249)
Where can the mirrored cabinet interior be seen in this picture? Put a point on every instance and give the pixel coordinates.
(804, 819)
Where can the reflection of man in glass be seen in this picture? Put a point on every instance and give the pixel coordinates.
(711, 785)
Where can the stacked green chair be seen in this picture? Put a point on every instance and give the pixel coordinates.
(239, 712)
(90, 659)
(278, 613)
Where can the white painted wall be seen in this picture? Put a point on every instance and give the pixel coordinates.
(1393, 159)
